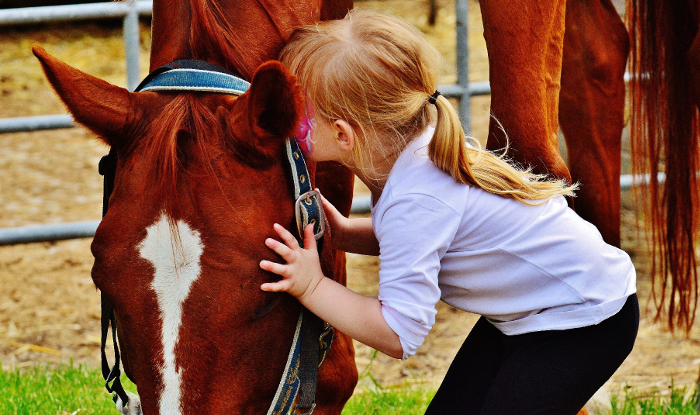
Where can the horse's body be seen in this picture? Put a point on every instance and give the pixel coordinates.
(200, 181)
(565, 60)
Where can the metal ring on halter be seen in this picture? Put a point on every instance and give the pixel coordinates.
(297, 408)
(299, 211)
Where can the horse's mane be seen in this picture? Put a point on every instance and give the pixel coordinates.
(212, 34)
(664, 131)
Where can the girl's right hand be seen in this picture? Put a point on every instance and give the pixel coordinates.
(354, 235)
(337, 222)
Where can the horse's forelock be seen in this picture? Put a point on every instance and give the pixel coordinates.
(183, 123)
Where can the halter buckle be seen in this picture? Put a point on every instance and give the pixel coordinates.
(308, 209)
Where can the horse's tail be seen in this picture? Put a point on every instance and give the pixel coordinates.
(664, 131)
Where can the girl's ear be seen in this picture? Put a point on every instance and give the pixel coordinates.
(344, 134)
(100, 106)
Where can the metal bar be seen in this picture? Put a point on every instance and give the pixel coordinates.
(458, 91)
(132, 44)
(129, 11)
(34, 123)
(627, 181)
(45, 233)
(74, 12)
(50, 122)
(461, 12)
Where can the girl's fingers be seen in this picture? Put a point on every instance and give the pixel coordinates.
(274, 287)
(327, 205)
(273, 267)
(286, 236)
(280, 249)
(309, 237)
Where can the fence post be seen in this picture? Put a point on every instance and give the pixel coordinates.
(461, 30)
(132, 44)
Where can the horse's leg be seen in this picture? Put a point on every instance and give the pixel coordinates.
(524, 42)
(591, 109)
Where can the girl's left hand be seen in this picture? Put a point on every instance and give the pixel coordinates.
(302, 272)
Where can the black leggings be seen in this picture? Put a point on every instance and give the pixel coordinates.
(549, 372)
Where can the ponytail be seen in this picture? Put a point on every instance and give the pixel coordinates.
(480, 168)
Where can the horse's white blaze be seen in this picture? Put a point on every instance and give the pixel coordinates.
(175, 253)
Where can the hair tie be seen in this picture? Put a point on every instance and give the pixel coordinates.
(433, 98)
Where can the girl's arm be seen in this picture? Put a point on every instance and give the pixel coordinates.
(358, 316)
(351, 235)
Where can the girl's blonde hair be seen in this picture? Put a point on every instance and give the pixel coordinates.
(378, 72)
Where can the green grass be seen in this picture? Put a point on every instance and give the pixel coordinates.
(71, 390)
(677, 401)
(62, 390)
(405, 401)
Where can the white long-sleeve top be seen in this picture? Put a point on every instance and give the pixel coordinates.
(524, 268)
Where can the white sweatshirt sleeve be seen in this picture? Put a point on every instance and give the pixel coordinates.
(414, 233)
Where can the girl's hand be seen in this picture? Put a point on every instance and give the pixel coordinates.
(337, 222)
(302, 272)
(354, 235)
(360, 317)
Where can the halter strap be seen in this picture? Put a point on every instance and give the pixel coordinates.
(312, 339)
(206, 73)
(196, 80)
(107, 168)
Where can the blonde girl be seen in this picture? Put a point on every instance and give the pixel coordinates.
(451, 222)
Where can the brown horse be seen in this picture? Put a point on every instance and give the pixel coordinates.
(565, 61)
(199, 182)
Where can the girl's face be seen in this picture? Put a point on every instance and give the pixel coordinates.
(315, 137)
(303, 133)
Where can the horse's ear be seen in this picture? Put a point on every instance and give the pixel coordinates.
(273, 107)
(98, 105)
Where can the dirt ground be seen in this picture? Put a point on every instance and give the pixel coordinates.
(49, 308)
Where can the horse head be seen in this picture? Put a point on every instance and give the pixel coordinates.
(200, 180)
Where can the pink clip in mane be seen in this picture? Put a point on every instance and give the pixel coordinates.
(303, 132)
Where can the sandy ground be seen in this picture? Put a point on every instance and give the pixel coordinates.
(49, 308)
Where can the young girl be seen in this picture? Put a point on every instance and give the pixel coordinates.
(454, 223)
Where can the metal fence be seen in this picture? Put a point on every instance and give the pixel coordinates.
(130, 11)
